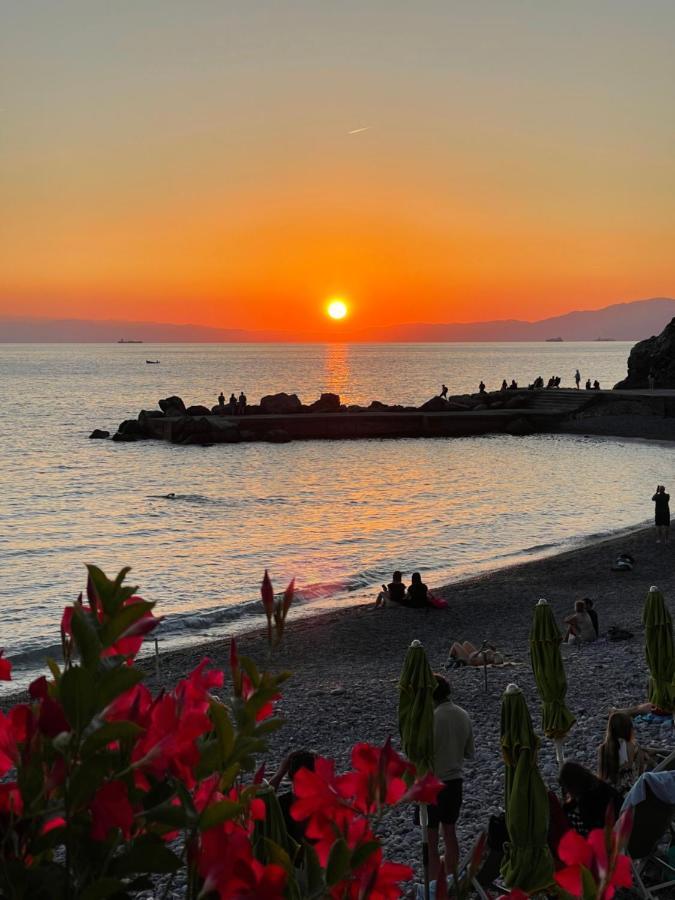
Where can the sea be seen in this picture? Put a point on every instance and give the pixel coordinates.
(199, 525)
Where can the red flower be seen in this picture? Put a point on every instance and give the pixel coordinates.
(316, 792)
(248, 691)
(267, 594)
(225, 862)
(288, 598)
(129, 643)
(377, 777)
(9, 752)
(600, 856)
(424, 790)
(10, 798)
(110, 808)
(5, 667)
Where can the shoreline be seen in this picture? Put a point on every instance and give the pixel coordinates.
(346, 664)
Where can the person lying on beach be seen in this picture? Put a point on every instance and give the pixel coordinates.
(621, 760)
(586, 798)
(471, 656)
(580, 625)
(395, 591)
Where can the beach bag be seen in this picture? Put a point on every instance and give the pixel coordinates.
(614, 633)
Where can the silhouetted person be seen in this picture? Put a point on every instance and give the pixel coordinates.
(651, 379)
(505, 386)
(514, 385)
(233, 405)
(481, 387)
(241, 405)
(596, 385)
(577, 378)
(661, 514)
(221, 399)
(588, 384)
(395, 591)
(588, 603)
(444, 390)
(418, 592)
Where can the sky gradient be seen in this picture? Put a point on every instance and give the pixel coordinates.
(192, 162)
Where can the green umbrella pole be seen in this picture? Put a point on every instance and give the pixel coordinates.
(424, 824)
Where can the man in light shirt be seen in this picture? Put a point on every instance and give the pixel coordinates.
(453, 743)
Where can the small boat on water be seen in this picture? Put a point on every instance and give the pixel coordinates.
(152, 362)
(124, 341)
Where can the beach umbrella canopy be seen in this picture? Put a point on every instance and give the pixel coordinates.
(527, 862)
(549, 673)
(659, 650)
(416, 708)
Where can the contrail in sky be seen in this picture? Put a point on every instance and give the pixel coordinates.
(359, 130)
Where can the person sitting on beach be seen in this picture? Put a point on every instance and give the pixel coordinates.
(586, 798)
(588, 384)
(395, 591)
(469, 655)
(588, 603)
(290, 765)
(661, 514)
(621, 760)
(514, 385)
(453, 743)
(417, 595)
(580, 625)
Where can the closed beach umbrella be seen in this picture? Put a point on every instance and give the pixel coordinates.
(416, 726)
(549, 673)
(659, 650)
(527, 862)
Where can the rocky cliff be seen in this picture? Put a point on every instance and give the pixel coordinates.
(656, 355)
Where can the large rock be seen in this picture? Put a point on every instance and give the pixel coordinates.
(326, 403)
(277, 436)
(378, 406)
(656, 354)
(172, 406)
(520, 427)
(198, 410)
(99, 434)
(131, 427)
(280, 404)
(436, 404)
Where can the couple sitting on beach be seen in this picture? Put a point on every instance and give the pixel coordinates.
(416, 596)
(582, 625)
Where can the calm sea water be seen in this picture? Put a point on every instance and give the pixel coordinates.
(337, 516)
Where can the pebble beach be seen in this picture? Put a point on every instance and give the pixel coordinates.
(346, 667)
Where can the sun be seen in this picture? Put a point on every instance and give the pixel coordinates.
(336, 309)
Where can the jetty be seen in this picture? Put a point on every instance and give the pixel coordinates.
(280, 418)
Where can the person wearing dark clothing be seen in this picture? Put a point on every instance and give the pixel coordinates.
(394, 591)
(596, 385)
(577, 378)
(233, 405)
(241, 404)
(221, 399)
(588, 384)
(418, 592)
(661, 514)
(586, 798)
(504, 385)
(299, 759)
(481, 387)
(444, 391)
(592, 614)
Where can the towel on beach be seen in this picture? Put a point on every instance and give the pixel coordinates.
(653, 719)
(661, 784)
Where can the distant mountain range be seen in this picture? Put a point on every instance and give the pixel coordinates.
(620, 322)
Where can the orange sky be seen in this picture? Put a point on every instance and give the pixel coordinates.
(185, 165)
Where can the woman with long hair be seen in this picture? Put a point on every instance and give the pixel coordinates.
(620, 759)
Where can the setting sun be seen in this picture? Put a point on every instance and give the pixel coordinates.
(337, 309)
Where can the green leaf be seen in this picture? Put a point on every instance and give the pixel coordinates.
(338, 862)
(314, 872)
(85, 636)
(116, 681)
(104, 887)
(217, 813)
(76, 691)
(87, 779)
(108, 732)
(223, 728)
(147, 853)
(170, 815)
(363, 852)
(122, 620)
(111, 593)
(54, 669)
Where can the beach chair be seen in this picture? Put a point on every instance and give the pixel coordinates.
(667, 764)
(652, 829)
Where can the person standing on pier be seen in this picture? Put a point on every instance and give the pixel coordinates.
(242, 404)
(577, 379)
(221, 399)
